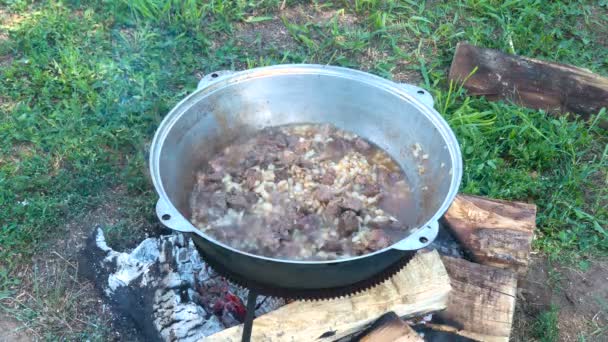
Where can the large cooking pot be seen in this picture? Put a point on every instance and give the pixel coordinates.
(398, 118)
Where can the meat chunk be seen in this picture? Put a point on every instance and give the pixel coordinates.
(332, 246)
(309, 222)
(280, 228)
(361, 144)
(237, 201)
(268, 241)
(281, 174)
(332, 210)
(281, 140)
(266, 149)
(372, 240)
(305, 163)
(218, 201)
(370, 189)
(251, 159)
(386, 225)
(292, 141)
(323, 194)
(329, 177)
(215, 176)
(351, 203)
(271, 142)
(302, 146)
(251, 177)
(218, 164)
(287, 158)
(377, 239)
(348, 223)
(367, 186)
(208, 183)
(210, 206)
(336, 149)
(387, 178)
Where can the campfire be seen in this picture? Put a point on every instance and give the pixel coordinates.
(253, 239)
(462, 286)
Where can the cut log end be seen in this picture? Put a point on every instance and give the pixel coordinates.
(482, 301)
(494, 232)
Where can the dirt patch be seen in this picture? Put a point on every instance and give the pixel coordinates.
(51, 300)
(302, 14)
(581, 298)
(273, 33)
(583, 302)
(533, 298)
(406, 75)
(54, 300)
(264, 35)
(12, 331)
(597, 16)
(6, 57)
(9, 19)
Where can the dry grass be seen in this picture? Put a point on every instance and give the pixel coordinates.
(52, 302)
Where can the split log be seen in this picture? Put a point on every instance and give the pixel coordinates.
(493, 232)
(420, 287)
(532, 83)
(389, 327)
(481, 303)
(480, 308)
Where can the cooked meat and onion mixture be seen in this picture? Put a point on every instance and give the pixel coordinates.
(303, 192)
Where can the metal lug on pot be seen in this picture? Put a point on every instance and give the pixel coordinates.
(212, 77)
(172, 218)
(422, 95)
(420, 238)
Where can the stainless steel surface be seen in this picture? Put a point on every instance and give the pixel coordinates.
(420, 94)
(213, 77)
(398, 118)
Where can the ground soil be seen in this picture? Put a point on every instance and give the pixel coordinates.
(12, 331)
(272, 34)
(55, 298)
(581, 298)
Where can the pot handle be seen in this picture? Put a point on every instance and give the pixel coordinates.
(420, 238)
(421, 94)
(212, 77)
(172, 218)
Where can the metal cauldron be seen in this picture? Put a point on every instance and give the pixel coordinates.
(398, 118)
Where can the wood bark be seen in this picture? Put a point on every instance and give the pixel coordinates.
(532, 83)
(480, 307)
(481, 303)
(493, 232)
(421, 287)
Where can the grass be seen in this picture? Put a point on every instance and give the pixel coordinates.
(545, 328)
(84, 85)
(56, 306)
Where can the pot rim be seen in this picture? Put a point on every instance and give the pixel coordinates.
(164, 204)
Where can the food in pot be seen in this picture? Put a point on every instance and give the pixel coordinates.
(303, 192)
